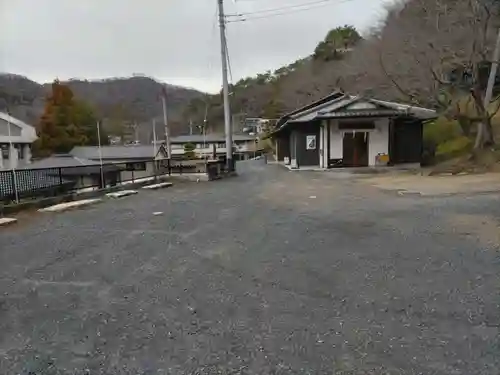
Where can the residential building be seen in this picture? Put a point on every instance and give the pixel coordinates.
(341, 130)
(15, 149)
(255, 125)
(136, 158)
(210, 144)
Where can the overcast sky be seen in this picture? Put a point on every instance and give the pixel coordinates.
(172, 40)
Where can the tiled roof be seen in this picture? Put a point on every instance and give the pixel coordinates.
(348, 106)
(71, 165)
(144, 152)
(60, 161)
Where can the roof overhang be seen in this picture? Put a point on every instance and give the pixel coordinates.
(353, 107)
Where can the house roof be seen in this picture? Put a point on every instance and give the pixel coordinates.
(71, 165)
(347, 106)
(209, 138)
(144, 152)
(327, 99)
(60, 161)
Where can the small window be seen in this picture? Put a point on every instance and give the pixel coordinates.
(5, 151)
(139, 166)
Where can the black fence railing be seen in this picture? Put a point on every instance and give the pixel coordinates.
(24, 184)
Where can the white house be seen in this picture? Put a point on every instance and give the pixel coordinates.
(341, 130)
(16, 138)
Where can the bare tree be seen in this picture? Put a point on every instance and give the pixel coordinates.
(424, 41)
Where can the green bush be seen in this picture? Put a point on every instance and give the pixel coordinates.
(441, 131)
(454, 148)
(189, 151)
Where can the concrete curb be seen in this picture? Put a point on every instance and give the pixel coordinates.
(4, 221)
(441, 195)
(162, 185)
(122, 193)
(70, 205)
(409, 192)
(192, 177)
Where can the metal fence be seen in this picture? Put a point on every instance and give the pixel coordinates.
(24, 184)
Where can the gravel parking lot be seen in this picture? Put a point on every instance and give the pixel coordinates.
(272, 272)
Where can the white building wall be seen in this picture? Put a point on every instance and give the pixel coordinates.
(19, 155)
(336, 138)
(220, 148)
(378, 141)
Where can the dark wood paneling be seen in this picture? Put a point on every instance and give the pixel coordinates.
(358, 125)
(283, 147)
(307, 157)
(355, 149)
(405, 142)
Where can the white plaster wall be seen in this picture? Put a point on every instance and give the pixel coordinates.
(378, 141)
(336, 139)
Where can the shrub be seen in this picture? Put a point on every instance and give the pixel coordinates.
(189, 151)
(454, 148)
(441, 131)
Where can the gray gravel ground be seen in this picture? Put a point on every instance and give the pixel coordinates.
(252, 275)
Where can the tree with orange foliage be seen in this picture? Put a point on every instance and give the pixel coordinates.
(65, 123)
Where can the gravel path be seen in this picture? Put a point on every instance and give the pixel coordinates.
(273, 272)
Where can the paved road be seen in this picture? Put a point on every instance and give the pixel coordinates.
(253, 275)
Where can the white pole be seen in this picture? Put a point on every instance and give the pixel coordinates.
(14, 179)
(165, 121)
(205, 155)
(225, 87)
(154, 148)
(100, 152)
(205, 138)
(154, 138)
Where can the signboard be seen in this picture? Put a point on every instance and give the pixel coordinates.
(311, 142)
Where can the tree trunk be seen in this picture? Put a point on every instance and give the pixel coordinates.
(465, 124)
(484, 137)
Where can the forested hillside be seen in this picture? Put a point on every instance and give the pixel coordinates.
(116, 101)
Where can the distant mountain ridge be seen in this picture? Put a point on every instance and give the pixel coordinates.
(117, 100)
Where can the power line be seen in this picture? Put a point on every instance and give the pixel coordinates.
(291, 11)
(271, 10)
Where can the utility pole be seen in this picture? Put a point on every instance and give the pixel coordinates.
(489, 91)
(225, 87)
(165, 121)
